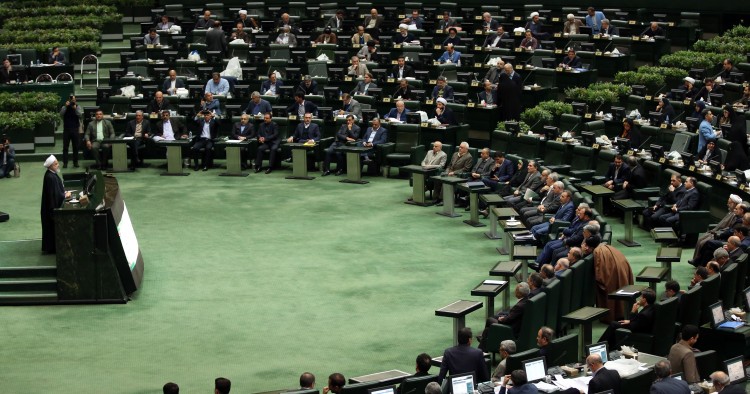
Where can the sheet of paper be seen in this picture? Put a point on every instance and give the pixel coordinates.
(494, 282)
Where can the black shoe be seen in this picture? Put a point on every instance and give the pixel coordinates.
(340, 172)
(268, 171)
(694, 263)
(326, 173)
(257, 170)
(485, 213)
(534, 266)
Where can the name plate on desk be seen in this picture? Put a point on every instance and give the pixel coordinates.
(347, 78)
(433, 82)
(670, 24)
(477, 17)
(292, 117)
(596, 36)
(691, 168)
(631, 22)
(401, 16)
(391, 80)
(477, 48)
(516, 18)
(598, 53)
(394, 62)
(429, 102)
(648, 98)
(686, 102)
(424, 124)
(559, 139)
(662, 160)
(557, 35)
(595, 146)
(435, 63)
(517, 33)
(742, 187)
(439, 31)
(477, 65)
(558, 69)
(150, 46)
(519, 66)
(437, 46)
(558, 51)
(397, 46)
(474, 83)
(636, 38)
(630, 152)
(663, 126)
(470, 105)
(555, 19)
(718, 177)
(386, 99)
(356, 46)
(477, 32)
(587, 116)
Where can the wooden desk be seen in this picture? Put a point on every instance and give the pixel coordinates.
(353, 165)
(174, 156)
(458, 311)
(299, 161)
(448, 183)
(419, 176)
(234, 157)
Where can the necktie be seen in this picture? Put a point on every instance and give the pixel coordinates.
(617, 170)
(361, 39)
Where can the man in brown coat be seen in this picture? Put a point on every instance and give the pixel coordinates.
(611, 271)
(682, 356)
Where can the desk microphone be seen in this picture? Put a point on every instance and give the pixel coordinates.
(644, 143)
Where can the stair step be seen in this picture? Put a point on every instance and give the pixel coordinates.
(111, 37)
(28, 298)
(8, 285)
(31, 271)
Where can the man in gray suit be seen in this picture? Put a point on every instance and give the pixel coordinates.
(460, 165)
(481, 170)
(435, 157)
(216, 40)
(532, 181)
(350, 106)
(98, 130)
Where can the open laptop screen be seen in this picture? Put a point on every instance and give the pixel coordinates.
(536, 369)
(462, 384)
(599, 348)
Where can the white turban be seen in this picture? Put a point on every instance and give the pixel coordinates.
(689, 79)
(50, 161)
(533, 14)
(403, 26)
(737, 199)
(442, 100)
(243, 12)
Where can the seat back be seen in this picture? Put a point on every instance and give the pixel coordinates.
(566, 291)
(741, 279)
(527, 146)
(690, 306)
(556, 153)
(416, 385)
(711, 288)
(665, 316)
(514, 360)
(603, 160)
(639, 382)
(707, 362)
(405, 136)
(552, 290)
(728, 286)
(583, 157)
(682, 142)
(500, 141)
(563, 350)
(597, 127)
(569, 122)
(533, 318)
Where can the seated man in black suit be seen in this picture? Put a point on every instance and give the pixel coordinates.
(301, 106)
(305, 131)
(603, 379)
(689, 201)
(722, 384)
(268, 141)
(402, 70)
(510, 318)
(424, 362)
(208, 129)
(349, 132)
(617, 173)
(158, 104)
(518, 383)
(666, 384)
(572, 60)
(336, 382)
(139, 129)
(241, 131)
(642, 321)
(463, 358)
(172, 83)
(308, 86)
(169, 129)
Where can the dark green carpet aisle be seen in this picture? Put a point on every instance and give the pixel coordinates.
(256, 279)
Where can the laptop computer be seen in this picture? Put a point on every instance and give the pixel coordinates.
(536, 369)
(599, 348)
(735, 370)
(718, 320)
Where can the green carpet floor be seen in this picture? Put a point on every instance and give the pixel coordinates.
(256, 279)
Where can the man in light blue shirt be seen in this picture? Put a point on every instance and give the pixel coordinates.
(217, 85)
(706, 130)
(451, 55)
(594, 20)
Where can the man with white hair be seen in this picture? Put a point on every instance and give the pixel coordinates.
(489, 24)
(572, 25)
(435, 156)
(509, 88)
(460, 164)
(398, 113)
(608, 29)
(433, 388)
(53, 195)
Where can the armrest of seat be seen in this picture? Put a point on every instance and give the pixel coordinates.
(645, 193)
(558, 226)
(383, 149)
(583, 175)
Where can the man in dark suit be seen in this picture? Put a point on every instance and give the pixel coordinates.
(463, 358)
(652, 214)
(688, 202)
(268, 141)
(172, 83)
(572, 60)
(301, 106)
(444, 114)
(158, 104)
(402, 70)
(363, 87)
(489, 24)
(139, 129)
(270, 86)
(216, 40)
(305, 131)
(564, 213)
(169, 129)
(423, 364)
(636, 180)
(398, 113)
(208, 130)
(241, 131)
(442, 89)
(348, 132)
(603, 379)
(520, 384)
(374, 136)
(510, 318)
(723, 385)
(510, 87)
(500, 172)
(493, 39)
(609, 30)
(372, 23)
(308, 86)
(205, 21)
(617, 173)
(488, 96)
(666, 385)
(642, 321)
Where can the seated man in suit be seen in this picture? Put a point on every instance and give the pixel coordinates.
(463, 358)
(268, 141)
(361, 37)
(682, 354)
(58, 58)
(241, 131)
(689, 201)
(459, 166)
(350, 106)
(494, 40)
(518, 384)
(617, 173)
(164, 23)
(664, 384)
(500, 172)
(308, 86)
(451, 55)
(305, 131)
(357, 69)
(349, 132)
(169, 129)
(172, 83)
(403, 35)
(640, 321)
(572, 60)
(139, 129)
(653, 30)
(444, 114)
(374, 136)
(208, 130)
(98, 130)
(442, 89)
(286, 37)
(423, 364)
(602, 378)
(723, 385)
(544, 337)
(217, 85)
(152, 38)
(363, 87)
(452, 38)
(257, 105)
(301, 106)
(488, 96)
(652, 215)
(270, 87)
(529, 43)
(158, 104)
(566, 212)
(435, 156)
(404, 91)
(488, 23)
(572, 25)
(608, 30)
(205, 21)
(402, 70)
(398, 113)
(510, 318)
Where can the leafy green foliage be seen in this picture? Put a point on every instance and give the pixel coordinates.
(26, 120)
(600, 92)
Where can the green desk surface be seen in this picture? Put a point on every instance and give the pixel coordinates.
(458, 308)
(505, 268)
(620, 293)
(585, 314)
(597, 190)
(504, 212)
(628, 204)
(651, 274)
(666, 253)
(489, 289)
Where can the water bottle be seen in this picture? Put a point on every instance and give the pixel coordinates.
(190, 135)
